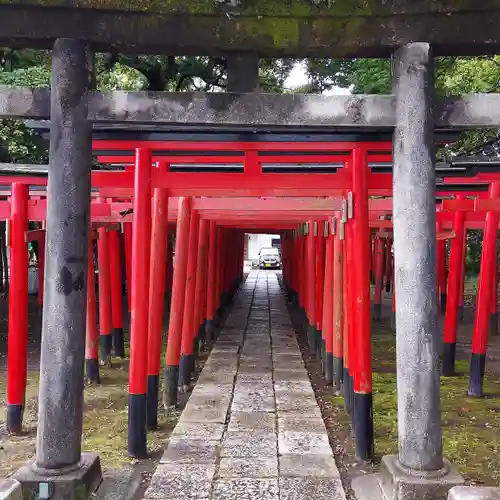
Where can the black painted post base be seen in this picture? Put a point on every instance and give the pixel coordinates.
(209, 331)
(476, 375)
(377, 312)
(311, 337)
(348, 390)
(185, 370)
(322, 354)
(92, 371)
(317, 342)
(137, 429)
(449, 353)
(393, 321)
(461, 313)
(171, 377)
(328, 367)
(74, 482)
(362, 419)
(106, 344)
(388, 286)
(15, 419)
(118, 343)
(493, 324)
(443, 303)
(338, 372)
(201, 334)
(152, 401)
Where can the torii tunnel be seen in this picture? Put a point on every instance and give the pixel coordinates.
(331, 202)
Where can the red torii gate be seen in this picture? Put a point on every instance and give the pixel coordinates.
(350, 175)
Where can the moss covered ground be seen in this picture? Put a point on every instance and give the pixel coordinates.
(471, 427)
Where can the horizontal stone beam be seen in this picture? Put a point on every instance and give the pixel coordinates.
(253, 110)
(277, 28)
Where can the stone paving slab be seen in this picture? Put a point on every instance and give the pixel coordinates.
(252, 429)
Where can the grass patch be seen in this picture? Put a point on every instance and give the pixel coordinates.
(471, 426)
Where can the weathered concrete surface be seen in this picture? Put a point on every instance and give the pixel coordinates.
(473, 493)
(254, 110)
(269, 448)
(270, 28)
(419, 416)
(10, 489)
(60, 417)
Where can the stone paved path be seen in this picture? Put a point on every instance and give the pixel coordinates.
(252, 428)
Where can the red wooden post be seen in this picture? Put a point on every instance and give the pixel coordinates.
(200, 299)
(483, 307)
(170, 265)
(328, 304)
(441, 269)
(453, 295)
(17, 340)
(106, 339)
(310, 275)
(338, 310)
(378, 272)
(362, 414)
(157, 278)
(320, 278)
(187, 363)
(41, 267)
(141, 249)
(177, 304)
(212, 271)
(115, 276)
(493, 323)
(91, 335)
(127, 236)
(348, 382)
(462, 278)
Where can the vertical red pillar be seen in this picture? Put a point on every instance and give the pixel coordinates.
(170, 264)
(441, 269)
(187, 362)
(157, 278)
(177, 304)
(378, 274)
(338, 307)
(348, 382)
(106, 339)
(462, 278)
(115, 277)
(453, 294)
(141, 249)
(310, 274)
(328, 304)
(494, 297)
(127, 237)
(200, 298)
(212, 270)
(483, 306)
(320, 278)
(17, 340)
(362, 414)
(41, 267)
(91, 335)
(218, 269)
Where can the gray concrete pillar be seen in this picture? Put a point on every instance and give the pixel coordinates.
(58, 447)
(243, 73)
(414, 216)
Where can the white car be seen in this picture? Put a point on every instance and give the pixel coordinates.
(269, 258)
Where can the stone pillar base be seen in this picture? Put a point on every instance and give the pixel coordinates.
(396, 483)
(74, 484)
(10, 489)
(473, 493)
